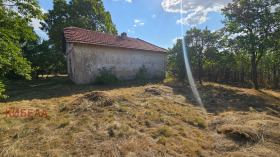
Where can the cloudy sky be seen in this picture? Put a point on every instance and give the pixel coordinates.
(157, 21)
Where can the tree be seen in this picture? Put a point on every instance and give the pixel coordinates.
(43, 57)
(176, 63)
(14, 32)
(198, 41)
(89, 14)
(255, 25)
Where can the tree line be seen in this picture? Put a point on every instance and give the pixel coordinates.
(245, 51)
(23, 55)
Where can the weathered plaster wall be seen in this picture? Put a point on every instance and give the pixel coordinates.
(87, 59)
(69, 60)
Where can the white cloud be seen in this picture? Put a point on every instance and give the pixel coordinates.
(36, 24)
(43, 10)
(198, 8)
(273, 8)
(193, 19)
(138, 23)
(130, 31)
(175, 39)
(154, 16)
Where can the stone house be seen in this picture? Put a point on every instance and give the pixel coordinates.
(87, 51)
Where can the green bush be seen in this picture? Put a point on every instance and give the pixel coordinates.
(2, 90)
(142, 73)
(106, 76)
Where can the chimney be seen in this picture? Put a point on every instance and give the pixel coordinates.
(124, 35)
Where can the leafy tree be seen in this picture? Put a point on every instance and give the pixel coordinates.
(176, 63)
(88, 14)
(14, 32)
(43, 57)
(255, 26)
(198, 42)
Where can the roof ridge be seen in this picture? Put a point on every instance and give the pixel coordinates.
(91, 31)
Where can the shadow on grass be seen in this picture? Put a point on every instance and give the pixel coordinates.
(60, 86)
(217, 99)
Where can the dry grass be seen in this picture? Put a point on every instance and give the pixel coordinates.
(246, 134)
(139, 119)
(147, 120)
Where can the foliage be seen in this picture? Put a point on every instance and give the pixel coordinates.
(142, 73)
(14, 32)
(44, 58)
(88, 14)
(175, 63)
(198, 42)
(246, 49)
(255, 25)
(106, 76)
(2, 90)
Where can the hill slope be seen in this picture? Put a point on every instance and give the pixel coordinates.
(148, 120)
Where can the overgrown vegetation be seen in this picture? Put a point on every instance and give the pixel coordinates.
(142, 73)
(132, 119)
(245, 51)
(14, 33)
(24, 54)
(106, 76)
(2, 90)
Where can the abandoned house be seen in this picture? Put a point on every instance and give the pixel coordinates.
(87, 51)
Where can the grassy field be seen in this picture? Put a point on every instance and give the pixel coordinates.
(139, 119)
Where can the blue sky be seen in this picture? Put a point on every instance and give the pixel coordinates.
(157, 21)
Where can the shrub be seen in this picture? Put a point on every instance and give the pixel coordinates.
(106, 76)
(142, 73)
(2, 90)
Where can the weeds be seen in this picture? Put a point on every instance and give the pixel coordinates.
(106, 76)
(143, 73)
(165, 132)
(63, 124)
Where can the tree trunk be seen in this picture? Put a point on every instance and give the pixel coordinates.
(199, 70)
(255, 72)
(261, 79)
(275, 78)
(242, 74)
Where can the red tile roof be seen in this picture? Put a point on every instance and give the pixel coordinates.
(79, 35)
